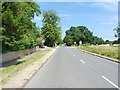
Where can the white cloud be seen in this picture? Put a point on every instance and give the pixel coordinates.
(38, 18)
(108, 23)
(107, 6)
(64, 15)
(110, 20)
(77, 0)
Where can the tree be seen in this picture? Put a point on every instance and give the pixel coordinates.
(82, 33)
(118, 33)
(107, 42)
(51, 29)
(97, 40)
(18, 31)
(60, 41)
(115, 42)
(68, 40)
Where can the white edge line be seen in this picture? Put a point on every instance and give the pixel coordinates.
(110, 82)
(82, 61)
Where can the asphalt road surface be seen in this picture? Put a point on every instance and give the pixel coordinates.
(71, 68)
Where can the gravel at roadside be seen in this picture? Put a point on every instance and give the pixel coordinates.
(24, 75)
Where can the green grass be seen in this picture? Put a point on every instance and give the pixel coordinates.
(108, 51)
(12, 70)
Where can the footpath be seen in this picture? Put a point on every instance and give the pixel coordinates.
(22, 77)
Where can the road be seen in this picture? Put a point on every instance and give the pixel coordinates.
(71, 68)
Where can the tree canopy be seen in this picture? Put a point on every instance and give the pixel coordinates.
(118, 33)
(51, 29)
(83, 34)
(18, 31)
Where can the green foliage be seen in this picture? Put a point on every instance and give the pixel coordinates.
(18, 31)
(51, 30)
(97, 40)
(116, 42)
(60, 41)
(118, 34)
(50, 17)
(68, 40)
(82, 33)
(108, 42)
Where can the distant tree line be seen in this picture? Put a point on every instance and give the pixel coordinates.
(78, 34)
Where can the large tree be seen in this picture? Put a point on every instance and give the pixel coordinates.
(81, 33)
(51, 29)
(68, 40)
(18, 31)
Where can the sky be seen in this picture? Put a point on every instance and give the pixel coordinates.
(99, 17)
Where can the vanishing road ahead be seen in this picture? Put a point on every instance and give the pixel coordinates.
(71, 68)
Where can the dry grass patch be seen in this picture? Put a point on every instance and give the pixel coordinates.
(7, 73)
(108, 51)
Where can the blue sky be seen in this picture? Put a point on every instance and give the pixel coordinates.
(99, 17)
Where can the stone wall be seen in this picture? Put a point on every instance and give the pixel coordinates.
(17, 54)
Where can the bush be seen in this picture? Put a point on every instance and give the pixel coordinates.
(85, 44)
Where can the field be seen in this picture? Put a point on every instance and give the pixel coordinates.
(108, 51)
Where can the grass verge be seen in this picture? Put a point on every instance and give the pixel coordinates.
(12, 70)
(108, 51)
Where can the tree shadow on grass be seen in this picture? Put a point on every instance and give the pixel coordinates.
(20, 62)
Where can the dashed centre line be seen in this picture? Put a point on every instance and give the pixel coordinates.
(82, 61)
(110, 82)
(105, 78)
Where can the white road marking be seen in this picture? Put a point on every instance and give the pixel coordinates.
(82, 61)
(110, 82)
